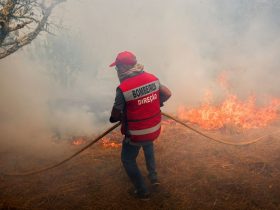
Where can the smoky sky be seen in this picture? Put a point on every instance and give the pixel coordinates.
(61, 85)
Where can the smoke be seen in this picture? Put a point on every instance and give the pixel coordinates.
(187, 43)
(61, 85)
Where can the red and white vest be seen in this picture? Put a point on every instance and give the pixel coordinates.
(143, 115)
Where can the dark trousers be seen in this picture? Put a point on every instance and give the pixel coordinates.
(129, 155)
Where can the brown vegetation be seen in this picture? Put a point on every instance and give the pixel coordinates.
(195, 174)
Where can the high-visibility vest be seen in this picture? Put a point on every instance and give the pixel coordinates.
(143, 115)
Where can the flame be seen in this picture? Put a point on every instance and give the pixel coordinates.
(107, 143)
(79, 141)
(232, 111)
(223, 80)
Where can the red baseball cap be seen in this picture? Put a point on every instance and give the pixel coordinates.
(126, 58)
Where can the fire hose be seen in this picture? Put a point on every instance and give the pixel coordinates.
(69, 158)
(116, 125)
(215, 139)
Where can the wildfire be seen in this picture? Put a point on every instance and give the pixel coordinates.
(232, 111)
(108, 143)
(79, 141)
(223, 81)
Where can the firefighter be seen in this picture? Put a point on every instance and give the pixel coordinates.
(137, 105)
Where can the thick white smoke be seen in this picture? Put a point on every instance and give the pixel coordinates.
(62, 86)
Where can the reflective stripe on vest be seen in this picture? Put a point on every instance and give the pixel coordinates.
(141, 91)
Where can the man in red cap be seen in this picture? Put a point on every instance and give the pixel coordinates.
(137, 105)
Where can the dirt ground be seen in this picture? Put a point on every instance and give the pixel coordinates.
(195, 173)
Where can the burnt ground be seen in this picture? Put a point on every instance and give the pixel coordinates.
(195, 174)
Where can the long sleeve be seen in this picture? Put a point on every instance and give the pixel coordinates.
(118, 107)
(164, 94)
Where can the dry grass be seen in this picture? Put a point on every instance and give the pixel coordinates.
(195, 174)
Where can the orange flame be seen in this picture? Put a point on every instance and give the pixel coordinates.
(223, 80)
(107, 143)
(78, 141)
(232, 111)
